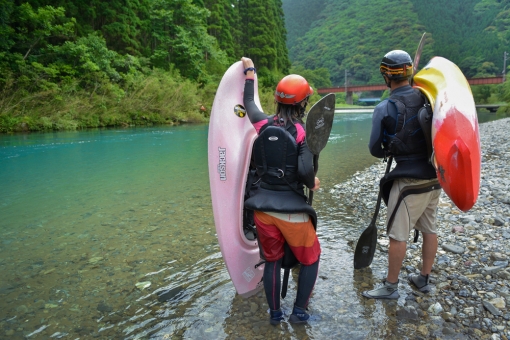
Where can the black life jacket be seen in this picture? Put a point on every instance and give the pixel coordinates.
(409, 139)
(275, 153)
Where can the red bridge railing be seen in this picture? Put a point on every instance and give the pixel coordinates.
(362, 88)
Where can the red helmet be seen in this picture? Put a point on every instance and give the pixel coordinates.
(292, 89)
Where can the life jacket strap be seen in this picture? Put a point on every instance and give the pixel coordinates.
(411, 190)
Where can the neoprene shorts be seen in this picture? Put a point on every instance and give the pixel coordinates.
(417, 211)
(274, 229)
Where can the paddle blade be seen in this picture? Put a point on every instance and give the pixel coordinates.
(365, 249)
(319, 122)
(417, 55)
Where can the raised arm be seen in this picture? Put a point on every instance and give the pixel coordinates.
(257, 117)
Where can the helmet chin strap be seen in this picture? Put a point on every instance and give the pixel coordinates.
(387, 81)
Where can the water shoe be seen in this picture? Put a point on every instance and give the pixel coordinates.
(275, 316)
(420, 282)
(299, 315)
(386, 291)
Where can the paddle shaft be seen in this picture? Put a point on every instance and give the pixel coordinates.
(315, 169)
(379, 197)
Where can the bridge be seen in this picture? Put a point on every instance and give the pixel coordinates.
(361, 88)
(489, 107)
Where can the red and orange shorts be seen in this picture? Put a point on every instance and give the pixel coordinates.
(274, 229)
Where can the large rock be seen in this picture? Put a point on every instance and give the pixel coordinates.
(453, 248)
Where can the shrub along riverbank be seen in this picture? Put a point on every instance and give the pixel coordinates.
(143, 100)
(147, 100)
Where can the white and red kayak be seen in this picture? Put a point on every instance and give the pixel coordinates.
(455, 134)
(230, 141)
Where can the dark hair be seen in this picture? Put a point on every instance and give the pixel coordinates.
(290, 113)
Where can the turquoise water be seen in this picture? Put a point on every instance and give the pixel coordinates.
(86, 215)
(95, 225)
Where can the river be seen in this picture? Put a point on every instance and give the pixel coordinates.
(109, 234)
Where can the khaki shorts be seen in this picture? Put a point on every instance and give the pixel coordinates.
(416, 211)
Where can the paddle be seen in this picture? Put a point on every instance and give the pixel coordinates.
(318, 127)
(365, 248)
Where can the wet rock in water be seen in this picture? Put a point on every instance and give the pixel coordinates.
(169, 294)
(143, 285)
(102, 307)
(22, 309)
(95, 260)
(435, 308)
(407, 312)
(6, 289)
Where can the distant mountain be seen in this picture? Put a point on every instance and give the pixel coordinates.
(353, 36)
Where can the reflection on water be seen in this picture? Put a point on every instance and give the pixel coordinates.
(109, 233)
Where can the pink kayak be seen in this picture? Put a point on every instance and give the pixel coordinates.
(230, 141)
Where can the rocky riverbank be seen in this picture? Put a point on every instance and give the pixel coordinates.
(471, 287)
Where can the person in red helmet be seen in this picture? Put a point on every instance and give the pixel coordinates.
(282, 214)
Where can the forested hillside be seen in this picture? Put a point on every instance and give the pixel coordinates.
(68, 64)
(353, 36)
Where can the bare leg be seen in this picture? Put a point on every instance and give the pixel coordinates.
(428, 252)
(396, 254)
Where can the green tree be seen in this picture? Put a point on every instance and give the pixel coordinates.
(33, 29)
(220, 25)
(179, 38)
(264, 34)
(123, 23)
(6, 31)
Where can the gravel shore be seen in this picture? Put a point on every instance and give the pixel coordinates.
(471, 274)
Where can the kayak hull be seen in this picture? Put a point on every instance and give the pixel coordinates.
(230, 140)
(455, 133)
